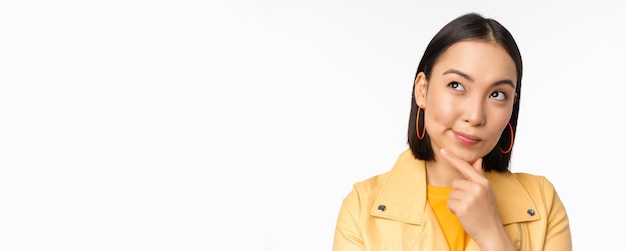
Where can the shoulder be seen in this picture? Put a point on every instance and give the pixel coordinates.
(361, 197)
(510, 187)
(536, 183)
(406, 169)
(370, 187)
(526, 180)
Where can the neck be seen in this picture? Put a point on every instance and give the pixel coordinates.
(441, 174)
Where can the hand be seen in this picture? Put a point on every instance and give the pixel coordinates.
(473, 201)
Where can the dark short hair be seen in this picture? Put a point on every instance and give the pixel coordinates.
(467, 27)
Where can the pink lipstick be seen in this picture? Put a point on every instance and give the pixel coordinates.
(466, 139)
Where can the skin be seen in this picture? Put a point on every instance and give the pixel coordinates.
(468, 101)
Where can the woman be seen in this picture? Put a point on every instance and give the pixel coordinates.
(452, 190)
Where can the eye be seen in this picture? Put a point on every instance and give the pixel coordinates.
(499, 95)
(456, 85)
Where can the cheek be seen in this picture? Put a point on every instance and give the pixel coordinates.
(440, 113)
(504, 125)
(501, 125)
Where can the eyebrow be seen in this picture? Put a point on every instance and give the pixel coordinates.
(469, 78)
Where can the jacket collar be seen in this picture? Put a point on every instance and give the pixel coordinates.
(404, 194)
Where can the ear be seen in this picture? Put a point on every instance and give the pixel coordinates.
(421, 86)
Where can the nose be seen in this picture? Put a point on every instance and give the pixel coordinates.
(475, 112)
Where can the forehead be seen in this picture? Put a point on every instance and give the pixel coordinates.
(482, 60)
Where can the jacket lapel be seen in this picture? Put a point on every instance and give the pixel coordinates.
(403, 198)
(514, 203)
(404, 193)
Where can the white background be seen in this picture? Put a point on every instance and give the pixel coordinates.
(241, 125)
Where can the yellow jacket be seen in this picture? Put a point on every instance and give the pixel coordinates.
(530, 210)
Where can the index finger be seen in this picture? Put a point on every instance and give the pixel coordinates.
(473, 172)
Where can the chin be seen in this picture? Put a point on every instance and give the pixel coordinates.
(467, 155)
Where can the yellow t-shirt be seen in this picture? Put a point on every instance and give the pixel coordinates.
(450, 224)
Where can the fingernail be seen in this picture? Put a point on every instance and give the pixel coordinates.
(443, 151)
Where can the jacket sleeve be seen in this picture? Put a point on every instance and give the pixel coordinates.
(558, 236)
(348, 236)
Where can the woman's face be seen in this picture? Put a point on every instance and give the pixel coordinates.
(468, 99)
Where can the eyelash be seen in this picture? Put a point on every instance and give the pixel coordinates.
(454, 85)
(505, 96)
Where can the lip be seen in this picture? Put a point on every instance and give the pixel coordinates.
(466, 139)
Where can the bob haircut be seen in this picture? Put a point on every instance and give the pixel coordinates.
(470, 26)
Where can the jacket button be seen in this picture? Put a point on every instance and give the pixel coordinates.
(530, 212)
(381, 208)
